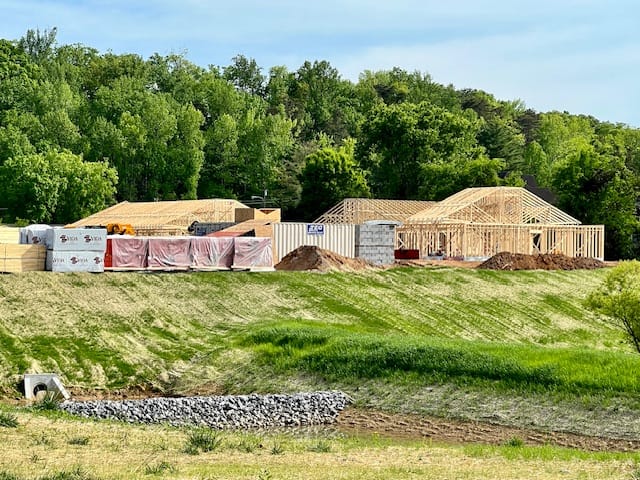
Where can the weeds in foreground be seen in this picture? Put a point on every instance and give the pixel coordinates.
(320, 447)
(264, 475)
(514, 442)
(8, 476)
(8, 420)
(50, 402)
(277, 449)
(73, 474)
(78, 441)
(202, 440)
(249, 444)
(159, 468)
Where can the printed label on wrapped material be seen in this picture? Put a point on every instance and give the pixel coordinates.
(63, 261)
(77, 239)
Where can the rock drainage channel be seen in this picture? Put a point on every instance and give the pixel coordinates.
(220, 412)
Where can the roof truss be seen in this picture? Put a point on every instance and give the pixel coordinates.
(494, 205)
(360, 210)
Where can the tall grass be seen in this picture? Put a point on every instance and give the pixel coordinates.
(123, 329)
(341, 355)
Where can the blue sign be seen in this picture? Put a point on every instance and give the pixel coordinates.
(315, 229)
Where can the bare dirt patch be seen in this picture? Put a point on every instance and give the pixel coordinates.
(520, 261)
(364, 421)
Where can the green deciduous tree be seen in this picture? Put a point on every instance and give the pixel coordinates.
(397, 141)
(329, 176)
(619, 298)
(599, 189)
(55, 187)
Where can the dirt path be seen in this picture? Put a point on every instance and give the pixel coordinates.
(360, 421)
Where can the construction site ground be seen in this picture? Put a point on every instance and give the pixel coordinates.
(312, 258)
(365, 421)
(372, 422)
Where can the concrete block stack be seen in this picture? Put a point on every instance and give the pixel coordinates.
(76, 249)
(375, 242)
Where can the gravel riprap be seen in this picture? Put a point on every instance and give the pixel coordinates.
(220, 412)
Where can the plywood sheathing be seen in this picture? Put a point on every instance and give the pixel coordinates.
(360, 210)
(480, 222)
(164, 218)
(22, 258)
(9, 234)
(270, 214)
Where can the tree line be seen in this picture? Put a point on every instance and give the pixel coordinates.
(80, 130)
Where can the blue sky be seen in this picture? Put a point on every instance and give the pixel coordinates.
(582, 56)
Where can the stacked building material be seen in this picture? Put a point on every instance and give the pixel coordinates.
(169, 253)
(212, 253)
(126, 252)
(76, 249)
(9, 234)
(252, 253)
(375, 242)
(22, 258)
(34, 234)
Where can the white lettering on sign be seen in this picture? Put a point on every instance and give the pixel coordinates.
(315, 229)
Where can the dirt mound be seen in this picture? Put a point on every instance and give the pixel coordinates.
(521, 261)
(318, 259)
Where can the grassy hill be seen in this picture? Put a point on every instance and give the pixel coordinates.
(430, 340)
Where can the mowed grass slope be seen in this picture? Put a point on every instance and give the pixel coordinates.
(520, 329)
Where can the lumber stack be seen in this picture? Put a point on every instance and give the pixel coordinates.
(9, 234)
(22, 258)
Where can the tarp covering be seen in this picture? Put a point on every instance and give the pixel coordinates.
(129, 252)
(211, 252)
(253, 252)
(169, 253)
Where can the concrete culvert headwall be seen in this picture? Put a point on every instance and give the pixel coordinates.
(220, 412)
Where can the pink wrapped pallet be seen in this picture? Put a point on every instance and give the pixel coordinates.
(211, 253)
(169, 253)
(128, 253)
(253, 253)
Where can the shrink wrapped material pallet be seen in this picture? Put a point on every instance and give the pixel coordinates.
(83, 261)
(22, 258)
(35, 234)
(169, 253)
(253, 253)
(129, 253)
(77, 239)
(211, 253)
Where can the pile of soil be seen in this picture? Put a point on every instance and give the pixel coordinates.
(521, 261)
(318, 259)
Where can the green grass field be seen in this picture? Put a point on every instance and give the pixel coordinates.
(524, 330)
(512, 348)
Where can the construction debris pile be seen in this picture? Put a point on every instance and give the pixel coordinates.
(220, 412)
(520, 261)
(318, 259)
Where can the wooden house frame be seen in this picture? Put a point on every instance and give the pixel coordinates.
(164, 218)
(477, 223)
(360, 210)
